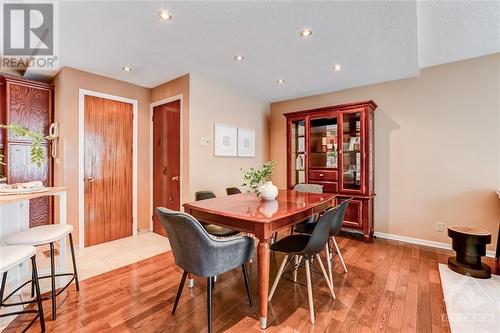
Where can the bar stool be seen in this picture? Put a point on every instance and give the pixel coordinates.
(11, 256)
(48, 234)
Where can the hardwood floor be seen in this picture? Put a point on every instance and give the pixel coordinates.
(390, 287)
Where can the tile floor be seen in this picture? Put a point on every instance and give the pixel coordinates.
(95, 260)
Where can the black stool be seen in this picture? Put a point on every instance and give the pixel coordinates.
(470, 245)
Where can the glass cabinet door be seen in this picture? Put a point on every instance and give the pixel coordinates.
(323, 143)
(351, 152)
(297, 152)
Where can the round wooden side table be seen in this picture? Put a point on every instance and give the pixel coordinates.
(470, 245)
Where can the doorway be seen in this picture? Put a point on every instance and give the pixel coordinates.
(107, 168)
(166, 157)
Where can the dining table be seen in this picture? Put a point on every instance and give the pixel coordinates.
(246, 212)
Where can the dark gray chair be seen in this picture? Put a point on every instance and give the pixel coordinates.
(199, 253)
(213, 229)
(233, 190)
(307, 247)
(308, 228)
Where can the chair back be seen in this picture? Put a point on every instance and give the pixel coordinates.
(339, 217)
(321, 234)
(203, 195)
(311, 188)
(232, 190)
(188, 239)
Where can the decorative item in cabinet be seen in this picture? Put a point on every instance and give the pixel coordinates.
(338, 155)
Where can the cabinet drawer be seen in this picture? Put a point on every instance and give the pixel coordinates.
(323, 175)
(328, 187)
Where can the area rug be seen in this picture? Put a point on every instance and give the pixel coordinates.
(472, 305)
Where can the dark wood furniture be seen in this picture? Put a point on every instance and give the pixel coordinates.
(470, 245)
(245, 212)
(333, 147)
(30, 104)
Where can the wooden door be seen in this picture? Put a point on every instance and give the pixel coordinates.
(166, 159)
(108, 170)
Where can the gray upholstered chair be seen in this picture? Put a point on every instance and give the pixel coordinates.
(213, 229)
(199, 253)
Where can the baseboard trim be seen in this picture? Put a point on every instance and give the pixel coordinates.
(424, 242)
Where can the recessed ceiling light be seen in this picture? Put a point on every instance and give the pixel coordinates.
(127, 69)
(165, 15)
(239, 58)
(337, 67)
(280, 81)
(306, 33)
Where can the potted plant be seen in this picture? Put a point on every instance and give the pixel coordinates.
(259, 181)
(37, 153)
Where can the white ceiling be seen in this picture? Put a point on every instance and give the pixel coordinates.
(374, 41)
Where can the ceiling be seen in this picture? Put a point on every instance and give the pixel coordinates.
(373, 41)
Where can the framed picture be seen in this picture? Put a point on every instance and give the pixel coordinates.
(225, 140)
(246, 142)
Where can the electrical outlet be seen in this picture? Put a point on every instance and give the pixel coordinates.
(205, 141)
(439, 227)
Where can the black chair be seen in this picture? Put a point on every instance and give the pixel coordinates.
(213, 229)
(308, 228)
(199, 253)
(232, 190)
(307, 247)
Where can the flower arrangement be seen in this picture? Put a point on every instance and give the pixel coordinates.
(254, 178)
(37, 153)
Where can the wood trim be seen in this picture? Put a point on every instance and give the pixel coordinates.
(371, 104)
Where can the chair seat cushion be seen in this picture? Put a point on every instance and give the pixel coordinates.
(13, 255)
(291, 244)
(219, 231)
(39, 235)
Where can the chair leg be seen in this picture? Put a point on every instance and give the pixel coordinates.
(296, 269)
(36, 285)
(72, 248)
(329, 258)
(247, 284)
(278, 276)
(179, 291)
(2, 288)
(209, 303)
(328, 282)
(309, 290)
(32, 284)
(340, 254)
(53, 280)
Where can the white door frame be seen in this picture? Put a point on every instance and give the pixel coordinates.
(152, 105)
(81, 158)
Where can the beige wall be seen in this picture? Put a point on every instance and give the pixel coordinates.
(437, 147)
(211, 102)
(67, 84)
(179, 87)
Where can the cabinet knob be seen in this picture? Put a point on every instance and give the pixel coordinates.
(175, 178)
(321, 175)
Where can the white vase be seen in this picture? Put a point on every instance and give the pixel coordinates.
(268, 191)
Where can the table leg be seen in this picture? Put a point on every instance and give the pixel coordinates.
(263, 270)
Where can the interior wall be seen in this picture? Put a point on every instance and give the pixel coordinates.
(66, 99)
(176, 87)
(210, 103)
(437, 147)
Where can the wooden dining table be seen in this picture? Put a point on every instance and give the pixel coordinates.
(248, 213)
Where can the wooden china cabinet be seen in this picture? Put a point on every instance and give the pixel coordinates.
(27, 103)
(333, 147)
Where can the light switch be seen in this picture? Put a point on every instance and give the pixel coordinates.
(205, 141)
